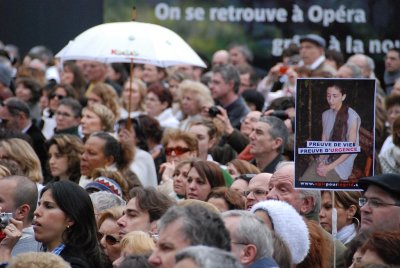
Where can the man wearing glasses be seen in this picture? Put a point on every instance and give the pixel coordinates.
(380, 205)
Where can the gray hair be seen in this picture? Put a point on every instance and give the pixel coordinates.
(277, 129)
(198, 225)
(75, 106)
(251, 230)
(304, 193)
(207, 257)
(355, 70)
(104, 200)
(244, 50)
(229, 73)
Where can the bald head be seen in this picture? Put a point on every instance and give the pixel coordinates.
(220, 57)
(365, 63)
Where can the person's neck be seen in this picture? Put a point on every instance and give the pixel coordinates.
(228, 99)
(63, 177)
(265, 159)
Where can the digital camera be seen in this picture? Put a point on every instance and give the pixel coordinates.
(4, 219)
(213, 111)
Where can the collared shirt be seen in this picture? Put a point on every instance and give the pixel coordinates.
(57, 250)
(317, 63)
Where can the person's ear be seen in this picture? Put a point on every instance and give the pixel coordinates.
(212, 142)
(277, 143)
(307, 205)
(343, 97)
(109, 160)
(351, 211)
(22, 212)
(69, 222)
(248, 254)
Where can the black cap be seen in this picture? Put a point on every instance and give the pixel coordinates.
(388, 182)
(313, 38)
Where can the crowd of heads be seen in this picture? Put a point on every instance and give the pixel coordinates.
(184, 167)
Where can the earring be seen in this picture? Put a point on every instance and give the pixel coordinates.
(357, 221)
(67, 226)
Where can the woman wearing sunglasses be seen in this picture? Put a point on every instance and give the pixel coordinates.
(179, 146)
(108, 234)
(56, 94)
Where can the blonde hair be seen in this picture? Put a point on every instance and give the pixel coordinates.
(107, 117)
(201, 92)
(38, 260)
(142, 92)
(4, 171)
(23, 153)
(138, 242)
(108, 96)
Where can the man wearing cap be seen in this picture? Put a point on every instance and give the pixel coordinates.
(312, 53)
(380, 205)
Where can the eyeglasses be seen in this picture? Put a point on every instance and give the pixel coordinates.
(239, 243)
(111, 240)
(63, 114)
(178, 150)
(53, 95)
(374, 203)
(257, 193)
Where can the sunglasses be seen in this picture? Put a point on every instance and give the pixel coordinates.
(111, 240)
(53, 95)
(177, 150)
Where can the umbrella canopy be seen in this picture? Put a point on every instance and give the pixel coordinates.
(131, 41)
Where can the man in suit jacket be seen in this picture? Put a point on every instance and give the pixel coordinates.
(15, 116)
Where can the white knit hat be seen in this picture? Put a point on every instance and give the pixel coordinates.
(289, 225)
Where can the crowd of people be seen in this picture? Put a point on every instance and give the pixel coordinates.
(185, 167)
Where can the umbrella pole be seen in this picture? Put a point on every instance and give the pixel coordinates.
(129, 123)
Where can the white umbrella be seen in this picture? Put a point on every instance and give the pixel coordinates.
(136, 42)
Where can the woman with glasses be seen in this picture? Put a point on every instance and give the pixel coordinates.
(64, 157)
(108, 234)
(348, 214)
(68, 117)
(56, 94)
(178, 146)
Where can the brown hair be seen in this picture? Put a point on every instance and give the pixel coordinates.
(176, 135)
(161, 92)
(72, 147)
(319, 255)
(244, 167)
(345, 199)
(385, 244)
(209, 171)
(395, 131)
(106, 116)
(231, 197)
(215, 129)
(153, 202)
